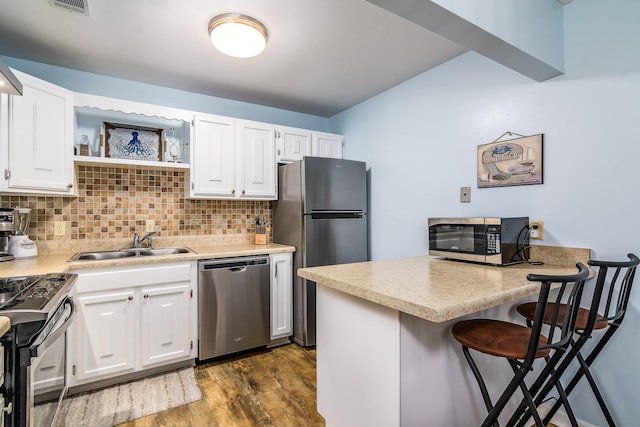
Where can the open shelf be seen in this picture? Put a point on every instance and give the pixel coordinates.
(108, 161)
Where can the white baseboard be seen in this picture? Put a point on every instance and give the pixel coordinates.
(560, 418)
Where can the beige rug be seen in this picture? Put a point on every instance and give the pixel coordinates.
(125, 402)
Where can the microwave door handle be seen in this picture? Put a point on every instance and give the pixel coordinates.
(41, 344)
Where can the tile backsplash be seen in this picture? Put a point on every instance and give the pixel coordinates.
(113, 202)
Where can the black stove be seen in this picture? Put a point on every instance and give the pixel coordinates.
(32, 298)
(40, 308)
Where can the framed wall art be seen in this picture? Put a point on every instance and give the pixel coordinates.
(132, 142)
(510, 162)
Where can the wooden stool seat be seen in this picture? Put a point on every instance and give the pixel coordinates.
(497, 338)
(528, 311)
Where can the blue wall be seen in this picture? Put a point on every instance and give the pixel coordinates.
(80, 81)
(420, 140)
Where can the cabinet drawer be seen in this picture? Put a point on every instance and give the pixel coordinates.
(115, 278)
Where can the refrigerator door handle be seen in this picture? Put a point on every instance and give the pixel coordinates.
(336, 214)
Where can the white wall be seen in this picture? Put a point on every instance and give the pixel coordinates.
(420, 140)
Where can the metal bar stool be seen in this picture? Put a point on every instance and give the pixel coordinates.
(522, 345)
(614, 280)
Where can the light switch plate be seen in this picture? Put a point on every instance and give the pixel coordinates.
(150, 226)
(465, 194)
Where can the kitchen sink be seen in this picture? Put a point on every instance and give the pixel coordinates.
(165, 251)
(127, 253)
(101, 255)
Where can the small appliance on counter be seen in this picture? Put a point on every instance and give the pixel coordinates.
(497, 241)
(20, 246)
(8, 224)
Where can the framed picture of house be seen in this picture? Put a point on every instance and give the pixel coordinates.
(511, 162)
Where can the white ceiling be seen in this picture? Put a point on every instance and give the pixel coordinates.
(322, 57)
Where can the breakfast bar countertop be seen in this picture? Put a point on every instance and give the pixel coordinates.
(435, 289)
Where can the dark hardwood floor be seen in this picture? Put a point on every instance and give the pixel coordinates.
(275, 387)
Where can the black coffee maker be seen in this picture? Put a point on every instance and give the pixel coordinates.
(8, 224)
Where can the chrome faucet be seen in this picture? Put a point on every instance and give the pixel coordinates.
(138, 241)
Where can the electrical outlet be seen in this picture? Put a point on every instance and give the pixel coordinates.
(59, 228)
(536, 230)
(150, 226)
(465, 194)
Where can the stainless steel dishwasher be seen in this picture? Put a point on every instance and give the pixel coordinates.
(233, 305)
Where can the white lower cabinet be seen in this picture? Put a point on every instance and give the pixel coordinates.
(130, 319)
(164, 323)
(106, 332)
(281, 296)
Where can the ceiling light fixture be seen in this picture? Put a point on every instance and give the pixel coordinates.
(238, 35)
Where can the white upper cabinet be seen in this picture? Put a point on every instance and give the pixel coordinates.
(327, 145)
(213, 157)
(36, 139)
(232, 159)
(292, 144)
(257, 166)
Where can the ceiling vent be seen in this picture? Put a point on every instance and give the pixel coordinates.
(77, 6)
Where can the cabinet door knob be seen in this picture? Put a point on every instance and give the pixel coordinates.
(146, 295)
(69, 186)
(242, 191)
(233, 191)
(130, 298)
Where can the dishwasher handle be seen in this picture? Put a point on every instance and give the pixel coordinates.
(233, 264)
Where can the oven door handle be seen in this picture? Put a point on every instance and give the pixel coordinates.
(42, 343)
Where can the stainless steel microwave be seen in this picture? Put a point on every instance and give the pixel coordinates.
(498, 241)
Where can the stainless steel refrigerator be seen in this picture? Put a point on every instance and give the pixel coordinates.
(321, 210)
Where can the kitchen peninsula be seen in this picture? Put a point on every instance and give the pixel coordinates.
(385, 356)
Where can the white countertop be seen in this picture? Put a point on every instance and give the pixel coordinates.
(431, 288)
(49, 263)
